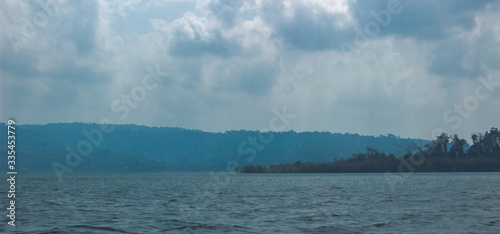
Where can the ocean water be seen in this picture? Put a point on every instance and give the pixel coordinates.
(256, 203)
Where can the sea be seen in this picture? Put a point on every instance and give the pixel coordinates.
(227, 202)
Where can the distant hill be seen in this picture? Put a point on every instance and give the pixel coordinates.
(142, 148)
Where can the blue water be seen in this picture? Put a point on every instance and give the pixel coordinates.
(257, 203)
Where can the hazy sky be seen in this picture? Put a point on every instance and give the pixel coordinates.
(367, 67)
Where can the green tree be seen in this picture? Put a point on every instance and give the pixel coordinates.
(457, 148)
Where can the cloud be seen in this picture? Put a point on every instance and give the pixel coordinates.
(232, 62)
(255, 77)
(192, 35)
(468, 55)
(226, 11)
(423, 20)
(80, 26)
(448, 59)
(307, 27)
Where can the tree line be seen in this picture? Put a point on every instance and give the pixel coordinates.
(143, 148)
(446, 153)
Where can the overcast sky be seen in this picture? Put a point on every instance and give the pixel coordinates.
(367, 67)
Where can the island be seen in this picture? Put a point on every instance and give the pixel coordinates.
(444, 154)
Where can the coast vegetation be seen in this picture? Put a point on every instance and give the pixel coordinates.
(446, 153)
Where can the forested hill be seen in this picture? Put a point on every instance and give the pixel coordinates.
(142, 148)
(447, 153)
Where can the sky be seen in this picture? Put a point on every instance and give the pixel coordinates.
(408, 68)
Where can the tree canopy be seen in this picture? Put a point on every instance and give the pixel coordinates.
(439, 155)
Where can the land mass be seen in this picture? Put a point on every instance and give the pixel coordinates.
(89, 147)
(444, 154)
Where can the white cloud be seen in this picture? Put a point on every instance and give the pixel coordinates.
(232, 62)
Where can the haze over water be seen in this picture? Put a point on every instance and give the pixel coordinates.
(182, 85)
(259, 203)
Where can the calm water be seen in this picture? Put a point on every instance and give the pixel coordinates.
(257, 203)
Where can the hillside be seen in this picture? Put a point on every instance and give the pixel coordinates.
(142, 148)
